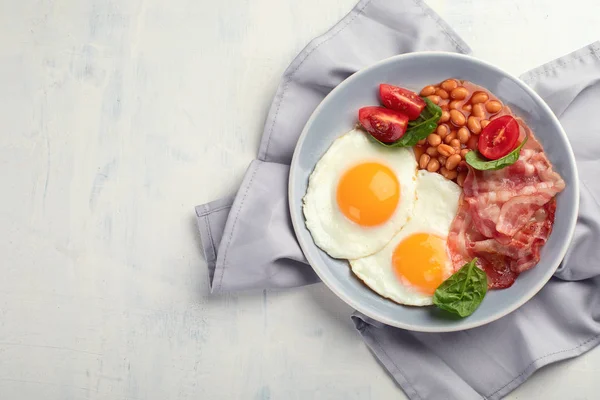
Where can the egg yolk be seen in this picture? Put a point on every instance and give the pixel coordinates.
(368, 193)
(420, 261)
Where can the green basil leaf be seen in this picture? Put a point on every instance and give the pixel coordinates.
(477, 161)
(419, 128)
(463, 292)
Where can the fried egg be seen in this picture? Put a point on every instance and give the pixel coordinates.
(416, 261)
(359, 195)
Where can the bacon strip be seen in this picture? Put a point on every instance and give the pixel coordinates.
(506, 216)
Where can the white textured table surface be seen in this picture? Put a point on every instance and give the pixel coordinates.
(116, 118)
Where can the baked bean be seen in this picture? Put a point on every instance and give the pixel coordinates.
(422, 142)
(455, 143)
(479, 97)
(493, 106)
(445, 116)
(460, 179)
(418, 151)
(450, 175)
(467, 107)
(442, 93)
(463, 152)
(424, 160)
(474, 125)
(457, 118)
(449, 85)
(484, 123)
(432, 151)
(442, 131)
(450, 137)
(435, 99)
(428, 91)
(445, 150)
(433, 165)
(442, 160)
(434, 139)
(478, 110)
(473, 141)
(452, 161)
(463, 134)
(444, 106)
(460, 93)
(454, 104)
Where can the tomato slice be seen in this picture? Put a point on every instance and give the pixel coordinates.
(499, 138)
(402, 100)
(384, 124)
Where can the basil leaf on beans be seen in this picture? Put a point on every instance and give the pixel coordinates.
(477, 161)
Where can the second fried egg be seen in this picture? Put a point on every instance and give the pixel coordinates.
(416, 261)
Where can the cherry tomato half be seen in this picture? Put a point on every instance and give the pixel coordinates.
(499, 138)
(384, 124)
(401, 100)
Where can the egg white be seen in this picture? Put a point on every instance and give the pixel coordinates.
(330, 229)
(435, 209)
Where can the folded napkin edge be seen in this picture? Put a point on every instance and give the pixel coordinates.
(459, 43)
(542, 361)
(590, 50)
(363, 325)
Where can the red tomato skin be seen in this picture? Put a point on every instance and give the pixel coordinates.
(493, 147)
(402, 100)
(383, 124)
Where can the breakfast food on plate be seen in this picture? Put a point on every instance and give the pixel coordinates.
(482, 210)
(415, 262)
(507, 215)
(509, 186)
(359, 195)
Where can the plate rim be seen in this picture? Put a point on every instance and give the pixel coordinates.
(293, 203)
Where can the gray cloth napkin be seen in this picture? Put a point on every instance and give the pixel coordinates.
(249, 243)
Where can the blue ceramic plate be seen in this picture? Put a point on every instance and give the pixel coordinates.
(337, 114)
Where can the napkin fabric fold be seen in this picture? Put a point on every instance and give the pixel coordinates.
(249, 243)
